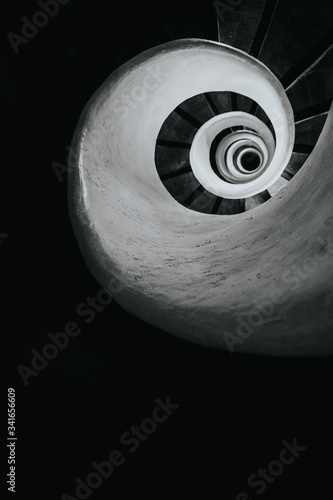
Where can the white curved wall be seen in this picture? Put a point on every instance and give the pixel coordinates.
(190, 273)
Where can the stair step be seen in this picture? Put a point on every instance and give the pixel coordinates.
(245, 103)
(308, 60)
(277, 186)
(263, 27)
(173, 144)
(308, 131)
(222, 101)
(191, 198)
(177, 128)
(260, 113)
(170, 160)
(182, 187)
(303, 148)
(186, 19)
(203, 203)
(176, 173)
(229, 207)
(297, 34)
(198, 107)
(256, 200)
(315, 85)
(297, 160)
(312, 111)
(237, 25)
(287, 175)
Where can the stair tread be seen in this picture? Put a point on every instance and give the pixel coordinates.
(204, 202)
(198, 107)
(256, 200)
(313, 86)
(230, 207)
(295, 29)
(222, 101)
(170, 159)
(308, 131)
(277, 186)
(182, 187)
(238, 25)
(192, 19)
(297, 160)
(177, 128)
(244, 103)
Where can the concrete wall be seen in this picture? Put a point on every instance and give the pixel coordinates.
(195, 275)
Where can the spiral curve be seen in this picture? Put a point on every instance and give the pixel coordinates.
(192, 272)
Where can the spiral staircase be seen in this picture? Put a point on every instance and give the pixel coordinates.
(213, 190)
(308, 85)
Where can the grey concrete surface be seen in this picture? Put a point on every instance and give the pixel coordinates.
(194, 275)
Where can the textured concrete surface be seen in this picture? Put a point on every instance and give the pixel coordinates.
(195, 275)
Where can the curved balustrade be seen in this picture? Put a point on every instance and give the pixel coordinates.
(175, 222)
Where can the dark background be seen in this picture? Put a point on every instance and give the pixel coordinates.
(235, 410)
